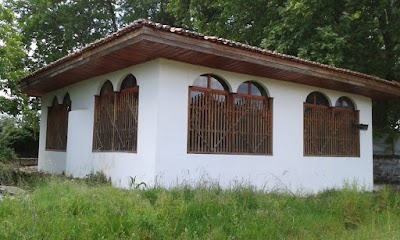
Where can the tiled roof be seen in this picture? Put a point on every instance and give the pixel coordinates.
(181, 31)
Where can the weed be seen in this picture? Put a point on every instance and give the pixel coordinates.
(98, 178)
(134, 185)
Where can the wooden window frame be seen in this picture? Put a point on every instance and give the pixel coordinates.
(329, 131)
(227, 127)
(57, 125)
(116, 121)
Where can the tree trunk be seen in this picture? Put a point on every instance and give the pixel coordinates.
(111, 10)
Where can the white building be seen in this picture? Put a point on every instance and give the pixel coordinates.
(159, 103)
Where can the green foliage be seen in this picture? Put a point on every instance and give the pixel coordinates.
(11, 52)
(133, 184)
(71, 209)
(155, 10)
(11, 175)
(19, 136)
(11, 63)
(358, 35)
(7, 154)
(238, 20)
(7, 174)
(362, 35)
(58, 27)
(97, 178)
(19, 125)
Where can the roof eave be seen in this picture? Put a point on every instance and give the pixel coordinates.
(282, 67)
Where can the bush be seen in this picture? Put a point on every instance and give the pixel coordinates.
(17, 138)
(6, 152)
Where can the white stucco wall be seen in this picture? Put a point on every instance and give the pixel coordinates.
(162, 136)
(287, 168)
(79, 160)
(79, 153)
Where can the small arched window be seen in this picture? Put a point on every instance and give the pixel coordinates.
(67, 102)
(57, 124)
(128, 82)
(211, 82)
(317, 98)
(107, 88)
(55, 102)
(66, 99)
(251, 88)
(316, 118)
(344, 102)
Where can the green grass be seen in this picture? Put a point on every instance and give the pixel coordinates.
(61, 208)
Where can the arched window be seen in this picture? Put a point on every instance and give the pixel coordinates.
(54, 103)
(116, 117)
(347, 138)
(211, 82)
(107, 88)
(128, 82)
(127, 107)
(317, 98)
(217, 125)
(67, 101)
(251, 88)
(328, 131)
(344, 102)
(253, 119)
(57, 124)
(317, 115)
(104, 118)
(207, 103)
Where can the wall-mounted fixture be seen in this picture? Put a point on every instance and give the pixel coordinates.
(361, 126)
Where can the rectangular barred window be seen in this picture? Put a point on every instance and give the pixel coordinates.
(126, 120)
(224, 123)
(57, 125)
(330, 131)
(104, 122)
(116, 119)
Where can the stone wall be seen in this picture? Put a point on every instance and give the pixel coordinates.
(387, 169)
(28, 161)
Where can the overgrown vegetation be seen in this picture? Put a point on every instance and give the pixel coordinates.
(10, 174)
(18, 138)
(62, 208)
(7, 153)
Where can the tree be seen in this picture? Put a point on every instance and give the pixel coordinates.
(57, 27)
(238, 20)
(362, 36)
(11, 63)
(359, 35)
(155, 10)
(19, 118)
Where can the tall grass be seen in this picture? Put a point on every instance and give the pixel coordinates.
(61, 208)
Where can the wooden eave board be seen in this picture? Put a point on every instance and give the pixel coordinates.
(147, 44)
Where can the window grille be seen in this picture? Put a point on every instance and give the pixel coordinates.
(329, 131)
(57, 124)
(116, 117)
(225, 123)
